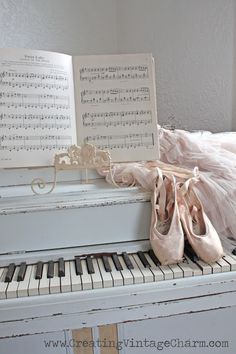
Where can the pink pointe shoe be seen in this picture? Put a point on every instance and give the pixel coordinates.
(166, 233)
(199, 231)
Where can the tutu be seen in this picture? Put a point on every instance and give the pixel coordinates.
(215, 156)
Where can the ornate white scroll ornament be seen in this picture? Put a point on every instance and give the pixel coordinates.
(77, 157)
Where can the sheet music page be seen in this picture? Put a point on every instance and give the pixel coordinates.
(37, 111)
(116, 105)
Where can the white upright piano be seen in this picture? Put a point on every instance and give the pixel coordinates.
(76, 265)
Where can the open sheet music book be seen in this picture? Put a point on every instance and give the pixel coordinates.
(49, 101)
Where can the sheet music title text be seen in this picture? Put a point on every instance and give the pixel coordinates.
(35, 58)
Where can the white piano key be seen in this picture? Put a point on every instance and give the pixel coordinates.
(231, 254)
(168, 274)
(137, 274)
(85, 277)
(1, 272)
(44, 281)
(187, 271)
(126, 273)
(76, 284)
(231, 261)
(33, 288)
(66, 280)
(11, 291)
(3, 285)
(216, 268)
(195, 268)
(225, 267)
(158, 274)
(96, 276)
(116, 275)
(24, 285)
(206, 268)
(177, 271)
(106, 276)
(54, 286)
(147, 274)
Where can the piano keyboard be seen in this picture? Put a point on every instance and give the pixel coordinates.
(100, 271)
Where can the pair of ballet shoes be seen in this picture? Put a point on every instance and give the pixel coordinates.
(185, 217)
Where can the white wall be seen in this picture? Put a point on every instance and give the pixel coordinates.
(67, 26)
(234, 82)
(192, 42)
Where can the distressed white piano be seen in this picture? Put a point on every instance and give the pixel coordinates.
(77, 264)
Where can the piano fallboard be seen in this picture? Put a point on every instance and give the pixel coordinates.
(76, 215)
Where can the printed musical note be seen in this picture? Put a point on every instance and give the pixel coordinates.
(34, 121)
(14, 99)
(32, 76)
(115, 95)
(20, 84)
(121, 118)
(114, 73)
(32, 80)
(122, 141)
(34, 142)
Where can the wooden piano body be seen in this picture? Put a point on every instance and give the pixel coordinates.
(79, 219)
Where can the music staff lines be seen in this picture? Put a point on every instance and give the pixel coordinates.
(122, 141)
(32, 76)
(34, 121)
(28, 143)
(19, 84)
(16, 100)
(115, 95)
(113, 119)
(114, 73)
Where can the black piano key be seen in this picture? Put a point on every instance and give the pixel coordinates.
(61, 267)
(128, 262)
(117, 262)
(106, 263)
(50, 273)
(234, 252)
(21, 273)
(89, 263)
(39, 270)
(78, 266)
(190, 252)
(10, 272)
(143, 259)
(154, 258)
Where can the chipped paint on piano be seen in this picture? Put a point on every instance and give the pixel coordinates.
(95, 219)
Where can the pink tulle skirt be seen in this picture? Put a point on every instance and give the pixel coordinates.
(215, 156)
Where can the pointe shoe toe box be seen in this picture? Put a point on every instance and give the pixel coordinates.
(208, 246)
